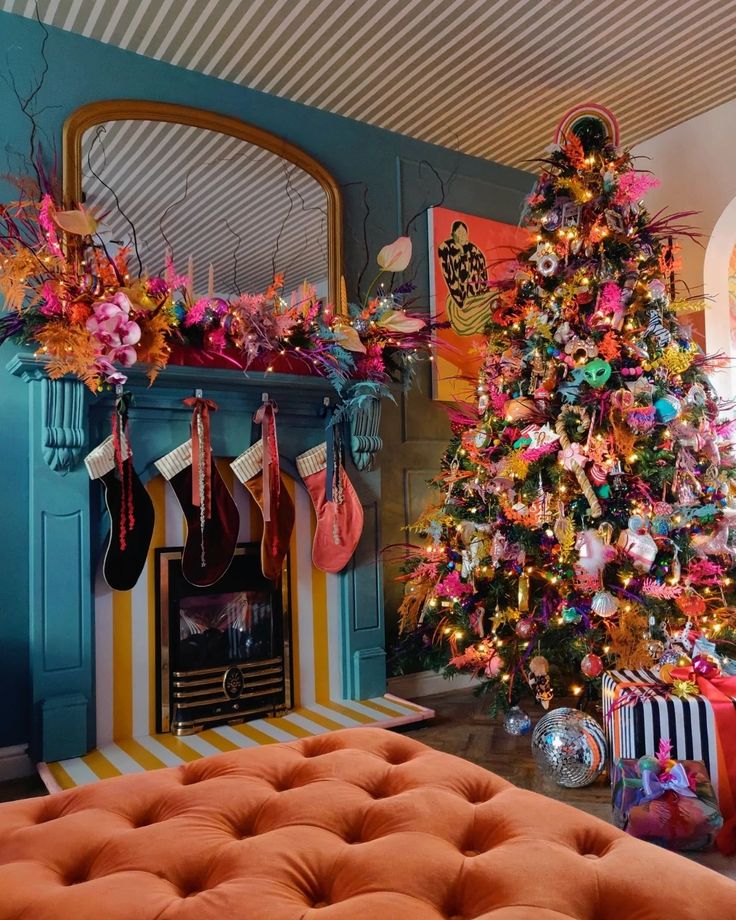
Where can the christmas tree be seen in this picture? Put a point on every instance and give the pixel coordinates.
(584, 502)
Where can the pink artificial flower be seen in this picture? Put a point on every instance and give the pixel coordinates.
(633, 186)
(610, 299)
(453, 586)
(217, 340)
(52, 305)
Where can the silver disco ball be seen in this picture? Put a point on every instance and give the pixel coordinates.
(569, 747)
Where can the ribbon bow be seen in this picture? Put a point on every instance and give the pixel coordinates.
(201, 454)
(675, 780)
(265, 416)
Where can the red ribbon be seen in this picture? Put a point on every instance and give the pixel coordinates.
(201, 452)
(719, 692)
(265, 416)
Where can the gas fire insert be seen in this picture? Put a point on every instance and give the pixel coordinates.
(224, 650)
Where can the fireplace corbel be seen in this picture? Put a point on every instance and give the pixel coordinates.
(66, 524)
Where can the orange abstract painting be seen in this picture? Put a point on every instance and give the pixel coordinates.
(467, 254)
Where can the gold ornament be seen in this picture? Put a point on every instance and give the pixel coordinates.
(523, 592)
(685, 688)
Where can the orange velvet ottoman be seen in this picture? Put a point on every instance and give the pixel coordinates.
(361, 824)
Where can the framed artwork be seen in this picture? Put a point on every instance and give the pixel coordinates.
(466, 254)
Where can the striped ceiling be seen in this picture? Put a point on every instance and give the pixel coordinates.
(490, 77)
(228, 203)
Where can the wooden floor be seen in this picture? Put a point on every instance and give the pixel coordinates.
(461, 727)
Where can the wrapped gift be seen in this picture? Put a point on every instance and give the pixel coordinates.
(676, 809)
(698, 715)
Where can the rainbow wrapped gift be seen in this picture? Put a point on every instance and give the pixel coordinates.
(674, 808)
(698, 714)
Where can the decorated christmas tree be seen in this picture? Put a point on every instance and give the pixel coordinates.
(585, 499)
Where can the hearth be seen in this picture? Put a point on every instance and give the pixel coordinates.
(223, 650)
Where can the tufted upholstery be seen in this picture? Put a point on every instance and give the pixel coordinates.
(361, 824)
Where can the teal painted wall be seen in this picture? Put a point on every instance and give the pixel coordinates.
(383, 165)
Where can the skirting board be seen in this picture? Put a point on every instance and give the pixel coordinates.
(15, 762)
(427, 683)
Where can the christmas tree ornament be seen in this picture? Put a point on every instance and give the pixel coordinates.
(258, 469)
(336, 504)
(524, 628)
(546, 258)
(520, 409)
(604, 604)
(574, 466)
(597, 372)
(517, 722)
(523, 598)
(539, 680)
(668, 408)
(128, 503)
(571, 616)
(210, 513)
(638, 545)
(591, 665)
(569, 747)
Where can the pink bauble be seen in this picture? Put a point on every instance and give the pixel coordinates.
(591, 665)
(525, 628)
(705, 666)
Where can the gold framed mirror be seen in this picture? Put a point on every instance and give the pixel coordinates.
(235, 202)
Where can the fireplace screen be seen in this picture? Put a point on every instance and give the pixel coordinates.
(224, 650)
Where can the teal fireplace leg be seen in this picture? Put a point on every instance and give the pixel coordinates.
(364, 661)
(60, 585)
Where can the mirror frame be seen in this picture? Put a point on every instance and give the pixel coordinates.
(87, 116)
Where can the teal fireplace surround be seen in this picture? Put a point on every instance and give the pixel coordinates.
(68, 526)
(385, 179)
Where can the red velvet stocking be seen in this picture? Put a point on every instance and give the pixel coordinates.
(258, 470)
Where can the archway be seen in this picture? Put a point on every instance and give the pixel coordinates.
(720, 314)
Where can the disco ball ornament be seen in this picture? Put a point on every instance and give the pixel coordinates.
(569, 747)
(516, 721)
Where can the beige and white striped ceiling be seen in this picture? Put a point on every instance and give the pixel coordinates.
(226, 203)
(490, 77)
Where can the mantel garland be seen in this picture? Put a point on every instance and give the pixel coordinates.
(91, 317)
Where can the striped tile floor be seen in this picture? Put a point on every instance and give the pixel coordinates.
(151, 752)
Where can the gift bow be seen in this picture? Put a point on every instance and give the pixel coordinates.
(675, 781)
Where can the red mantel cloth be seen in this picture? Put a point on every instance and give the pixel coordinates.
(230, 359)
(362, 824)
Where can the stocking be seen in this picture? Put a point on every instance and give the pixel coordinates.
(128, 504)
(258, 469)
(209, 510)
(338, 508)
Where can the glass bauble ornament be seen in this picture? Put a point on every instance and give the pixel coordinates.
(569, 747)
(571, 615)
(591, 665)
(524, 628)
(516, 721)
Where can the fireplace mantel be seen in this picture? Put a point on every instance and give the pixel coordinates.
(67, 526)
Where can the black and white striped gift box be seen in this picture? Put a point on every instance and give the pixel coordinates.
(634, 728)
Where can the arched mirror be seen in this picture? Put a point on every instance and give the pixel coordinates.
(233, 205)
